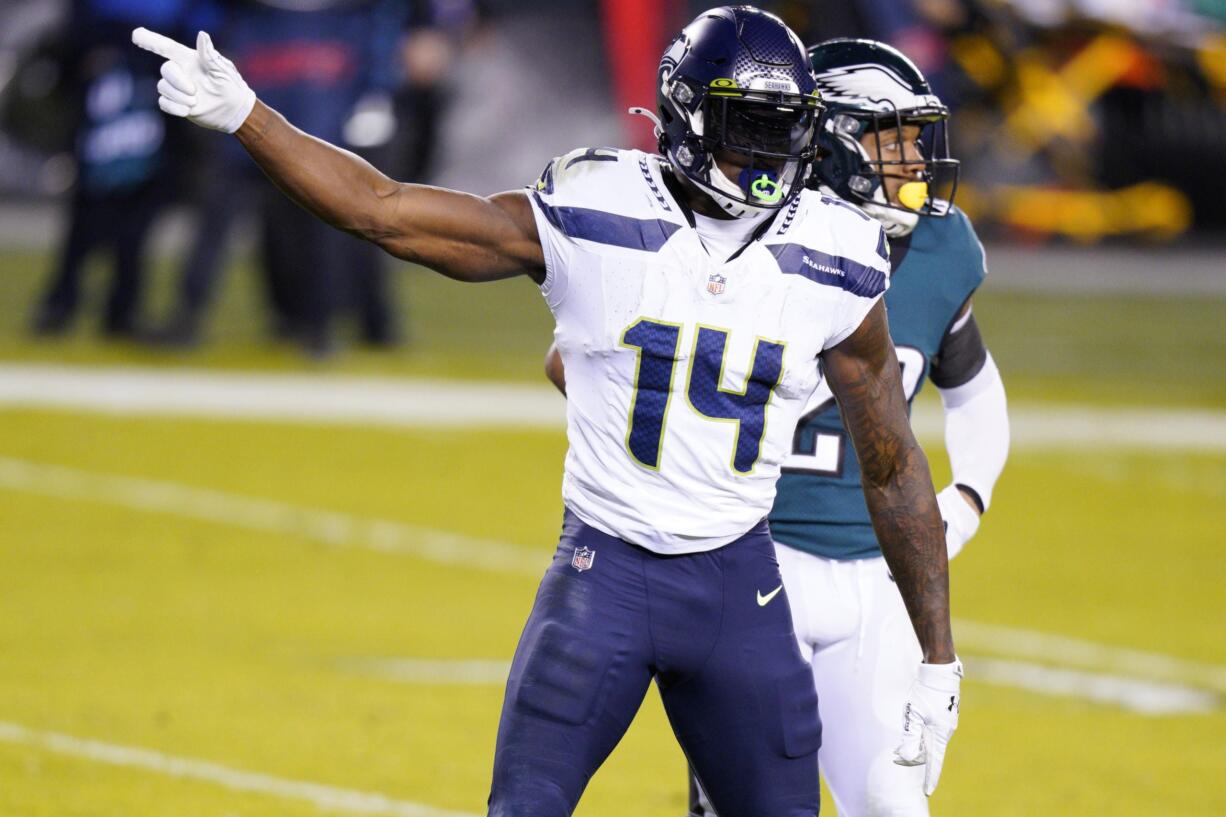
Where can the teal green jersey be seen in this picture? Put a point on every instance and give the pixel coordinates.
(820, 505)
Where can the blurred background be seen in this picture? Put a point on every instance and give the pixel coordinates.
(273, 506)
(1079, 123)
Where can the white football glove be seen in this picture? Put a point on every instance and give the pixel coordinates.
(960, 519)
(199, 83)
(929, 720)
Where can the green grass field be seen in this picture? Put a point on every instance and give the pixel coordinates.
(223, 618)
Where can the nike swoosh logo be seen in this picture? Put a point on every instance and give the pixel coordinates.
(765, 600)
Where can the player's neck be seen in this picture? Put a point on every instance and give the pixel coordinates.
(690, 196)
(704, 205)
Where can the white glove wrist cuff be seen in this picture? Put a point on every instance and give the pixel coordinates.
(941, 677)
(241, 112)
(961, 521)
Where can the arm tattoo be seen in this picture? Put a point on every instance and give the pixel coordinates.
(866, 379)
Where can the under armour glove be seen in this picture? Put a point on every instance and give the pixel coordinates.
(960, 518)
(929, 720)
(199, 83)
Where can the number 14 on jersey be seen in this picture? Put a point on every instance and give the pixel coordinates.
(656, 344)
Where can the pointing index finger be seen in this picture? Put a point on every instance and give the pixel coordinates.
(161, 45)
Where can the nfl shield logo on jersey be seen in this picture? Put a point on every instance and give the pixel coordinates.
(715, 284)
(583, 558)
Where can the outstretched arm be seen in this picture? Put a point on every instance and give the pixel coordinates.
(866, 379)
(466, 237)
(462, 236)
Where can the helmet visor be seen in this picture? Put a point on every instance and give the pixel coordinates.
(754, 147)
(765, 129)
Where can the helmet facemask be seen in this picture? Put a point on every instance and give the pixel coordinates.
(932, 177)
(766, 135)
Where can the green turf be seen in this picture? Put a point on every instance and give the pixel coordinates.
(215, 641)
(212, 641)
(1110, 349)
(1073, 347)
(490, 331)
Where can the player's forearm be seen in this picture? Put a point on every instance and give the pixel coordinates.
(334, 184)
(462, 236)
(864, 374)
(905, 518)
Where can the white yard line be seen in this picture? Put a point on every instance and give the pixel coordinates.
(1063, 427)
(324, 797)
(1146, 698)
(1152, 698)
(283, 397)
(1075, 652)
(409, 402)
(1143, 681)
(269, 516)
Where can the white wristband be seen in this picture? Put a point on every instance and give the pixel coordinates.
(960, 519)
(977, 431)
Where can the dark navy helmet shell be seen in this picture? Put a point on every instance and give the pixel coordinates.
(736, 83)
(870, 88)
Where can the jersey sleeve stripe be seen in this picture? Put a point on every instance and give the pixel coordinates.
(830, 270)
(609, 228)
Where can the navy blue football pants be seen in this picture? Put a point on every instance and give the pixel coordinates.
(707, 628)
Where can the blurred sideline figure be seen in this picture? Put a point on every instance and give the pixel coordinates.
(428, 54)
(665, 570)
(333, 66)
(122, 147)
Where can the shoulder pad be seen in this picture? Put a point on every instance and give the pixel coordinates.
(832, 242)
(960, 247)
(963, 231)
(830, 224)
(826, 200)
(561, 169)
(601, 178)
(607, 196)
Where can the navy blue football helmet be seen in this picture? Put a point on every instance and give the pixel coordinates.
(736, 82)
(870, 88)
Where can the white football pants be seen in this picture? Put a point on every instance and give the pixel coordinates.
(854, 631)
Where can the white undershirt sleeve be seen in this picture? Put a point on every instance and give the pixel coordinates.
(977, 430)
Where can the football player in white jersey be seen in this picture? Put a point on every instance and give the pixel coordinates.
(693, 294)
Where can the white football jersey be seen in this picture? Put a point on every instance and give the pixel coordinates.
(686, 373)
